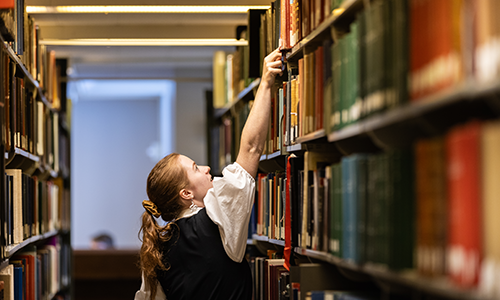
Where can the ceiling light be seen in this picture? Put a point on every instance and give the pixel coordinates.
(142, 9)
(144, 42)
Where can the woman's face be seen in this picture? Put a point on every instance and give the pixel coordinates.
(200, 180)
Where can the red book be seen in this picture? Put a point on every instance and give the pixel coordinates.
(465, 244)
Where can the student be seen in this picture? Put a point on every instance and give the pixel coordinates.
(102, 241)
(199, 253)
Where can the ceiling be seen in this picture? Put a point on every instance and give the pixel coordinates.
(177, 62)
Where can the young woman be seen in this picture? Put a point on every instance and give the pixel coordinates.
(199, 253)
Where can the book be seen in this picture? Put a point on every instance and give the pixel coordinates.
(465, 242)
(335, 211)
(390, 213)
(490, 205)
(436, 46)
(17, 205)
(318, 87)
(431, 206)
(275, 268)
(219, 87)
(486, 65)
(311, 161)
(28, 259)
(18, 283)
(354, 198)
(7, 276)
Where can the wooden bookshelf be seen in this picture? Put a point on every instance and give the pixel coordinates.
(247, 93)
(383, 132)
(34, 224)
(12, 249)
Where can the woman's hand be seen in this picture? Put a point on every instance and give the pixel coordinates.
(272, 67)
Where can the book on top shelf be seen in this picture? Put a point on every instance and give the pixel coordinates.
(436, 51)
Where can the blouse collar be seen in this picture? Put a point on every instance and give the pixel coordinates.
(188, 212)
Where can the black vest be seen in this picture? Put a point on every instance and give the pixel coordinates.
(199, 266)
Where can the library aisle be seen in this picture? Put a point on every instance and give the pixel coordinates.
(379, 175)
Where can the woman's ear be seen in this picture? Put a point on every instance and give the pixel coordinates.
(186, 195)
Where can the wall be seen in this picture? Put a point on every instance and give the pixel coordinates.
(110, 167)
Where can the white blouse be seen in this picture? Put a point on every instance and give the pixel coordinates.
(229, 205)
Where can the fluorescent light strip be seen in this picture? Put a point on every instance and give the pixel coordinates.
(142, 9)
(145, 42)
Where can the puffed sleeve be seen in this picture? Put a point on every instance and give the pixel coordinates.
(229, 205)
(143, 293)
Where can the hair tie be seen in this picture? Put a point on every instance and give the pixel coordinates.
(151, 208)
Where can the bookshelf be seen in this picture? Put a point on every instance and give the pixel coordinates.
(398, 139)
(35, 138)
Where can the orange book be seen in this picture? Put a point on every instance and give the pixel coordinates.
(431, 210)
(7, 4)
(441, 43)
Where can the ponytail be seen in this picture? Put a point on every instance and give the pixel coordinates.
(165, 181)
(151, 257)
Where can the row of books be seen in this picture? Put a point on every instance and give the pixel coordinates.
(21, 33)
(227, 76)
(32, 207)
(285, 23)
(270, 203)
(391, 55)
(233, 72)
(341, 295)
(275, 280)
(29, 124)
(226, 136)
(270, 278)
(431, 207)
(38, 272)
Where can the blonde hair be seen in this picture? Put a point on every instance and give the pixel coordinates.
(164, 183)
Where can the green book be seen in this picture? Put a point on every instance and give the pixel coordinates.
(400, 50)
(401, 212)
(335, 110)
(336, 210)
